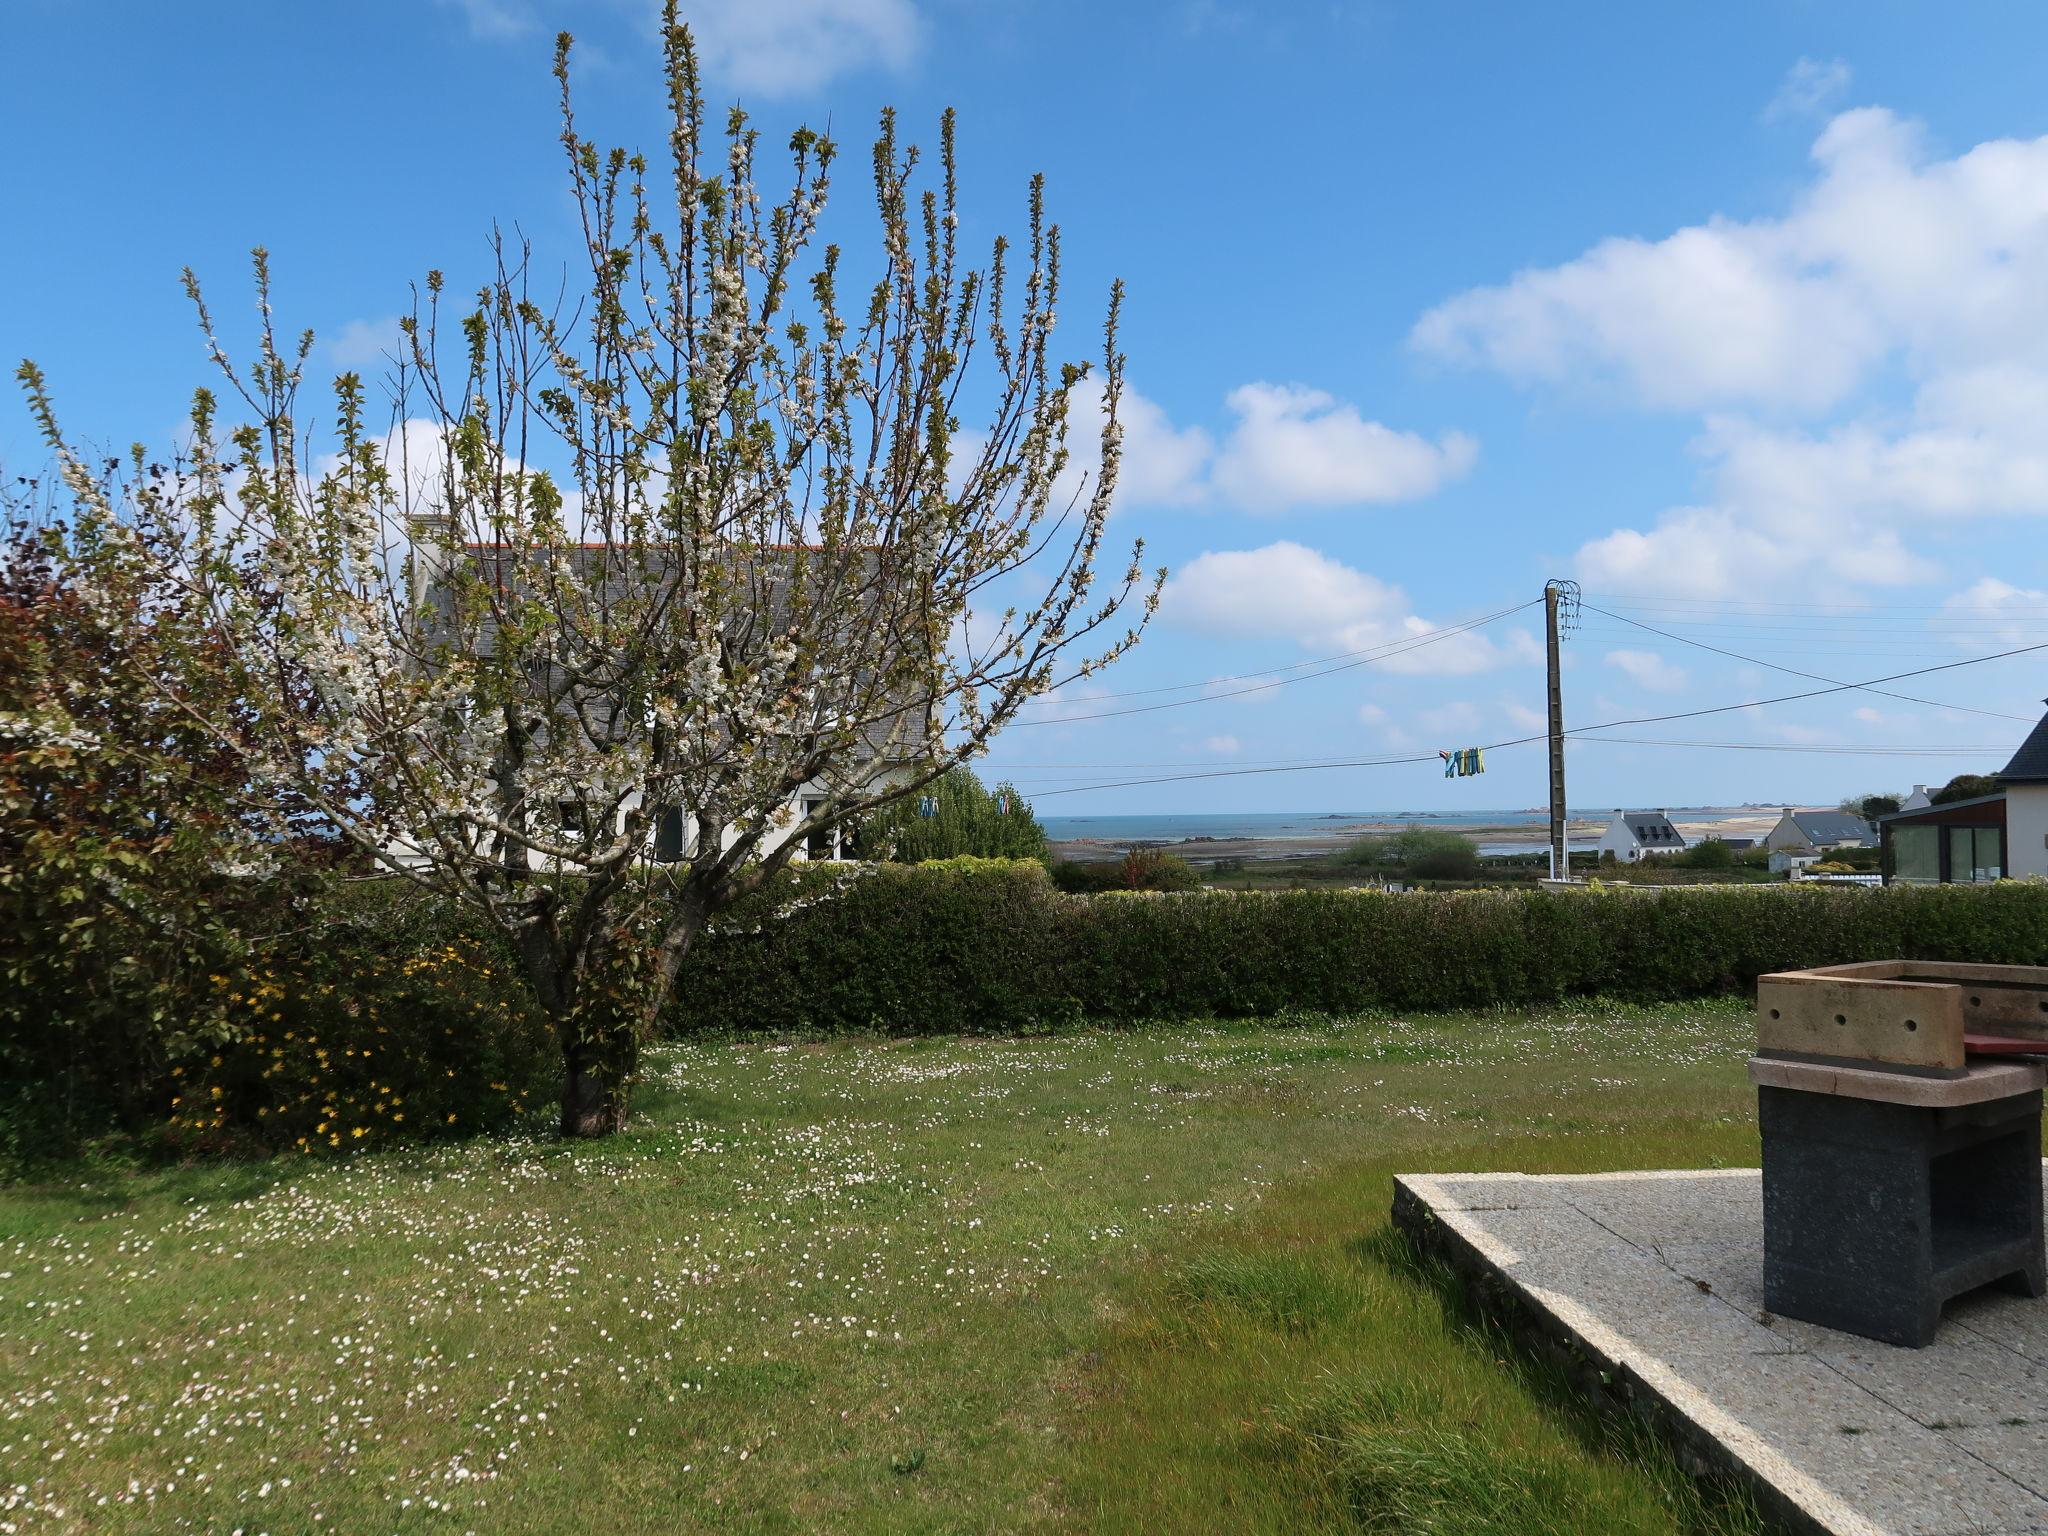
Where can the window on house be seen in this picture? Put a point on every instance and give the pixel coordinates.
(668, 835)
(823, 844)
(1916, 855)
(1975, 853)
(1990, 853)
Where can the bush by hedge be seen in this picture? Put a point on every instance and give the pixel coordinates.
(403, 1022)
(1141, 869)
(359, 1015)
(985, 945)
(1429, 853)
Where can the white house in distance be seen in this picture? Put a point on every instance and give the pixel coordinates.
(1919, 800)
(1818, 831)
(884, 758)
(1634, 835)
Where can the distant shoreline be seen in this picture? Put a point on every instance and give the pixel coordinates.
(1318, 836)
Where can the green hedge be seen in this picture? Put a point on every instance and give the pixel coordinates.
(954, 946)
(987, 945)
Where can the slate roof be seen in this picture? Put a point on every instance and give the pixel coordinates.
(2029, 765)
(1820, 827)
(1652, 829)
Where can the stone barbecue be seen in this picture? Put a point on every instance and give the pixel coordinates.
(1900, 1107)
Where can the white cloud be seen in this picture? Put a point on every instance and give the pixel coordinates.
(1075, 699)
(1294, 447)
(1162, 465)
(1990, 612)
(1725, 552)
(1289, 447)
(1649, 670)
(1709, 314)
(1286, 590)
(1798, 735)
(366, 344)
(1283, 588)
(1789, 502)
(1886, 254)
(1457, 715)
(1523, 717)
(1970, 446)
(1223, 746)
(1890, 266)
(1390, 735)
(1810, 87)
(784, 47)
(494, 18)
(757, 47)
(414, 454)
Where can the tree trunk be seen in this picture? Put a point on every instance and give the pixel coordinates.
(602, 1012)
(597, 1073)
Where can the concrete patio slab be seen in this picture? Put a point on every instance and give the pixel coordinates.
(1651, 1286)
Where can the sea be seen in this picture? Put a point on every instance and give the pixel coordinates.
(1280, 825)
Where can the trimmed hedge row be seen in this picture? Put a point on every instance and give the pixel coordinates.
(988, 945)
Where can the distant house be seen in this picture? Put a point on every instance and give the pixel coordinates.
(1919, 800)
(1633, 835)
(1987, 837)
(1818, 831)
(885, 749)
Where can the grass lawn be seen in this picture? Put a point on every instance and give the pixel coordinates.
(1130, 1282)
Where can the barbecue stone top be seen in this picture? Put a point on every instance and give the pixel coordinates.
(1983, 1082)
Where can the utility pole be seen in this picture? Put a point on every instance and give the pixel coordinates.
(1560, 612)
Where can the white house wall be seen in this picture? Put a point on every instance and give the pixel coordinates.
(792, 814)
(1786, 837)
(2026, 830)
(1620, 842)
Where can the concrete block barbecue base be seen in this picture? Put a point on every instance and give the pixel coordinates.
(1651, 1286)
(1876, 1213)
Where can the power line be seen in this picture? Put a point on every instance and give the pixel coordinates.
(1383, 653)
(1811, 676)
(1235, 773)
(1683, 714)
(1846, 749)
(1841, 750)
(1747, 605)
(1891, 633)
(1814, 693)
(1443, 631)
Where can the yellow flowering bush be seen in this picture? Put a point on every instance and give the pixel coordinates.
(353, 1048)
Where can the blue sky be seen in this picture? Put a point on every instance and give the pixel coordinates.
(1736, 314)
